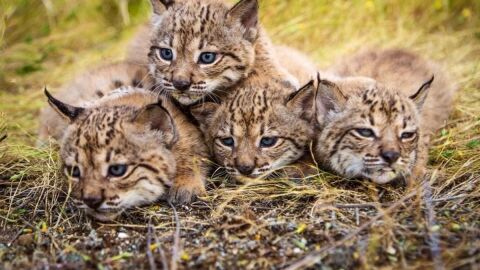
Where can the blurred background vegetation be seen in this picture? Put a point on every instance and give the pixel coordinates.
(46, 42)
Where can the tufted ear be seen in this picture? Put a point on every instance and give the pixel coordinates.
(66, 111)
(421, 95)
(159, 6)
(302, 101)
(204, 112)
(329, 98)
(157, 118)
(246, 11)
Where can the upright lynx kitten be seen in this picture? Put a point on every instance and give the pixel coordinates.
(201, 48)
(129, 148)
(380, 129)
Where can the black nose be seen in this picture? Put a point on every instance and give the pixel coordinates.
(93, 201)
(246, 169)
(181, 85)
(390, 156)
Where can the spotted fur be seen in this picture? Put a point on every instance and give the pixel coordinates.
(236, 129)
(90, 86)
(190, 28)
(129, 129)
(379, 129)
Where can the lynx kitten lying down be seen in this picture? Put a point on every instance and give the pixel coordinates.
(129, 148)
(259, 129)
(379, 127)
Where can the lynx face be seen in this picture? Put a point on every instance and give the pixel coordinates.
(199, 47)
(255, 131)
(116, 157)
(373, 133)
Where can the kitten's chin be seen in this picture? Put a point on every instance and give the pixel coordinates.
(188, 98)
(382, 177)
(103, 216)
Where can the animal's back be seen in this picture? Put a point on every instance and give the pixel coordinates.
(405, 71)
(89, 87)
(296, 63)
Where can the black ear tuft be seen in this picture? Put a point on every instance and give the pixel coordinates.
(65, 110)
(246, 11)
(421, 95)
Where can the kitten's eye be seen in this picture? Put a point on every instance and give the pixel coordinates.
(165, 54)
(268, 141)
(228, 141)
(117, 170)
(207, 58)
(408, 135)
(365, 132)
(73, 171)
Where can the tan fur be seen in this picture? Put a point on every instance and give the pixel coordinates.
(404, 71)
(121, 128)
(353, 104)
(189, 28)
(269, 111)
(296, 63)
(90, 86)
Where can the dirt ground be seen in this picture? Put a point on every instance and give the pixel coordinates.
(321, 222)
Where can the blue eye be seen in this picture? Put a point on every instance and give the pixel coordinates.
(117, 170)
(365, 132)
(228, 141)
(207, 58)
(166, 54)
(268, 141)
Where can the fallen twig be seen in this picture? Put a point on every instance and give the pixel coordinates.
(151, 260)
(314, 256)
(431, 222)
(162, 252)
(176, 240)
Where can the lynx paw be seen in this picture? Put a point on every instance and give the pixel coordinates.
(186, 193)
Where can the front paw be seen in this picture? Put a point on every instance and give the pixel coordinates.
(186, 193)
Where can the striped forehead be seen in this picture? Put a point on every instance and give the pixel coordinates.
(383, 107)
(194, 25)
(101, 127)
(249, 111)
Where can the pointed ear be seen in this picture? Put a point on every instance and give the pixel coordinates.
(66, 111)
(157, 118)
(203, 112)
(159, 6)
(421, 95)
(329, 98)
(302, 101)
(246, 11)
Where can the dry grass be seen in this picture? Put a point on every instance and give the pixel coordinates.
(323, 220)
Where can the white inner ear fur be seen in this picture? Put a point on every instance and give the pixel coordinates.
(156, 20)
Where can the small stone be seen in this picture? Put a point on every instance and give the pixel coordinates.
(122, 235)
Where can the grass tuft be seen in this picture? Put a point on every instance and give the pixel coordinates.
(319, 220)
